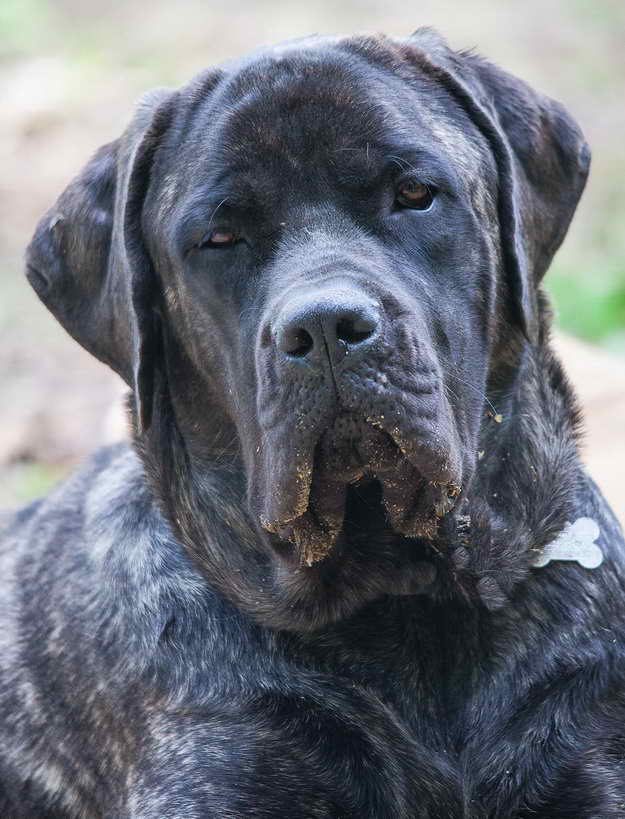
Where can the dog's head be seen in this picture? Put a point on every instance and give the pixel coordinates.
(320, 254)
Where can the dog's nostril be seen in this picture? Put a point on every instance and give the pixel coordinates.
(297, 342)
(354, 329)
(325, 327)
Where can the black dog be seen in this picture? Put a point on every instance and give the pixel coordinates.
(309, 588)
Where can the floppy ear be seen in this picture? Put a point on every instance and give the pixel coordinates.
(541, 155)
(87, 260)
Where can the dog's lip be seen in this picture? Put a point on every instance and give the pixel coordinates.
(414, 498)
(431, 460)
(284, 507)
(315, 541)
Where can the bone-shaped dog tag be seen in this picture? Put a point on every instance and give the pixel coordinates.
(575, 542)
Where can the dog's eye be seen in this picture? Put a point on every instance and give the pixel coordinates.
(219, 238)
(415, 195)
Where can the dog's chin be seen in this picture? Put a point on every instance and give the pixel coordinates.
(355, 461)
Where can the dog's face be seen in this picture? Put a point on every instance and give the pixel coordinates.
(332, 242)
(327, 245)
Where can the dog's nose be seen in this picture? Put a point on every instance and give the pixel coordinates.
(327, 326)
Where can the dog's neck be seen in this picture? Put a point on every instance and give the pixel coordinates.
(528, 479)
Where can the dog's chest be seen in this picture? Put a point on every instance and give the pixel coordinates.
(371, 721)
(424, 721)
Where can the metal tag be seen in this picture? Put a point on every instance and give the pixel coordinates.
(575, 542)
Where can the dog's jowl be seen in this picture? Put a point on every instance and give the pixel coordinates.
(315, 583)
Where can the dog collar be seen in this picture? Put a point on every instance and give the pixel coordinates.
(575, 542)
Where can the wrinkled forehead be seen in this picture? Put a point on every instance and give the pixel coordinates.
(297, 117)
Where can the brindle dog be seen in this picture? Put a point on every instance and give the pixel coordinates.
(307, 588)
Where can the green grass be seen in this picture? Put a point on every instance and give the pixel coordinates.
(591, 304)
(22, 482)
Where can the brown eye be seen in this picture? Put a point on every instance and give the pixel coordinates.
(219, 238)
(415, 195)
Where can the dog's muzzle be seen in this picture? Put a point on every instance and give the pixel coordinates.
(333, 417)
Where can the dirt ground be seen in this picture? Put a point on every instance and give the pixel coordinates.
(599, 379)
(70, 72)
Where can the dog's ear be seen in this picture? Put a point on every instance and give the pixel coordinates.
(87, 260)
(541, 154)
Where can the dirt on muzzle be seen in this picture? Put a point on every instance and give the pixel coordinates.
(351, 450)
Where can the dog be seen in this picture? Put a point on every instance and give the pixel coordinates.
(351, 565)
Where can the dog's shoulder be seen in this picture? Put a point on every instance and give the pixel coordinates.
(97, 584)
(68, 522)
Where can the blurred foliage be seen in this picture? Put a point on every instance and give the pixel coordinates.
(587, 281)
(591, 306)
(22, 26)
(30, 480)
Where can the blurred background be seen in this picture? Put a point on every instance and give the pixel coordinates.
(70, 71)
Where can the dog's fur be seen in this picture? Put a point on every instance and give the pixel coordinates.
(238, 617)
